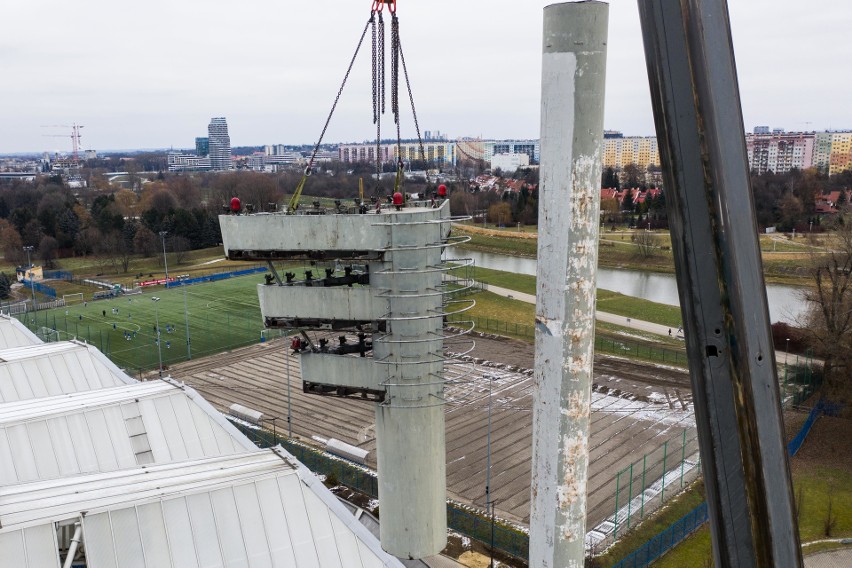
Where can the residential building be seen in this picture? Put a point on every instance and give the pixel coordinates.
(833, 151)
(509, 162)
(219, 144)
(620, 151)
(779, 151)
(442, 152)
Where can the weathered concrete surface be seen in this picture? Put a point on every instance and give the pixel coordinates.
(573, 73)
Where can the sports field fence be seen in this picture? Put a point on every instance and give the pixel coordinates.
(506, 539)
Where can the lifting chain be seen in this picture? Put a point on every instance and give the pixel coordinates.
(377, 28)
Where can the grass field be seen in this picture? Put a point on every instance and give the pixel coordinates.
(221, 315)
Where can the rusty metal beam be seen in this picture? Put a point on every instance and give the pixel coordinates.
(695, 96)
(573, 70)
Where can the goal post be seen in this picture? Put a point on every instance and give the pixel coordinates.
(73, 298)
(48, 335)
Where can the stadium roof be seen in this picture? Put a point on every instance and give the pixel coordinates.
(55, 368)
(108, 430)
(247, 509)
(15, 334)
(153, 474)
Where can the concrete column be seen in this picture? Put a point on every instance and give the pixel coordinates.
(410, 426)
(573, 72)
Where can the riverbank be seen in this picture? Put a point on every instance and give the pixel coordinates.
(518, 273)
(785, 261)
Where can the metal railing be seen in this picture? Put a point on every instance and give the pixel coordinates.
(646, 484)
(603, 344)
(507, 540)
(667, 539)
(689, 523)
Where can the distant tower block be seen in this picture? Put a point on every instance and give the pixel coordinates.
(381, 276)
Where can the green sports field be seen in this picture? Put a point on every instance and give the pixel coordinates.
(221, 315)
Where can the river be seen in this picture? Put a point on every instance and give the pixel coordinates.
(785, 302)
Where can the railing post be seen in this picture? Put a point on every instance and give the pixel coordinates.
(644, 461)
(630, 496)
(615, 515)
(682, 457)
(663, 489)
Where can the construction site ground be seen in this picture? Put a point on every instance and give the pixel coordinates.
(643, 406)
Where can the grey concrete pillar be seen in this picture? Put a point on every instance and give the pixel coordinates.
(573, 72)
(410, 426)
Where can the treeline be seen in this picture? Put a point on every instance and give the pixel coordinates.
(111, 224)
(786, 200)
(116, 224)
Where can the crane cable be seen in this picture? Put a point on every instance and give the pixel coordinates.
(378, 77)
(294, 201)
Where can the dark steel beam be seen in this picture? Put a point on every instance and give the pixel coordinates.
(698, 117)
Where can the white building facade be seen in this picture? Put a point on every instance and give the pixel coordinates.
(219, 144)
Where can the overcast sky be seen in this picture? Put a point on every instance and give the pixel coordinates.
(151, 74)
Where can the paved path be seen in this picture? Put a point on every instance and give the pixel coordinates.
(841, 558)
(641, 325)
(602, 316)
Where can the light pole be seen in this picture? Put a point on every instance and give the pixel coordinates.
(186, 324)
(289, 406)
(165, 262)
(29, 267)
(488, 503)
(155, 299)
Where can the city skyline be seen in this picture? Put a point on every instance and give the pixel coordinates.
(154, 78)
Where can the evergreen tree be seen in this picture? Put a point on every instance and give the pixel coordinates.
(5, 286)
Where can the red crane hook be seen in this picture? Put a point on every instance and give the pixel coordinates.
(379, 5)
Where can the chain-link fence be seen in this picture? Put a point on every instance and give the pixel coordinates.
(686, 525)
(644, 485)
(799, 380)
(666, 540)
(604, 344)
(471, 524)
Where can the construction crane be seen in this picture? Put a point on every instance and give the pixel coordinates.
(75, 138)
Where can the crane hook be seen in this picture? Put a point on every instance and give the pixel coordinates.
(379, 5)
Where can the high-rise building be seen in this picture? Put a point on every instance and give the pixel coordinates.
(780, 152)
(219, 144)
(621, 151)
(202, 146)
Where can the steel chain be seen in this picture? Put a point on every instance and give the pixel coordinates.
(375, 71)
(395, 68)
(411, 98)
(337, 98)
(381, 62)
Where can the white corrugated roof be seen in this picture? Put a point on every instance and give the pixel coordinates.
(108, 430)
(55, 368)
(15, 334)
(160, 477)
(247, 509)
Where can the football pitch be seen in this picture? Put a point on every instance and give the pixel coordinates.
(218, 316)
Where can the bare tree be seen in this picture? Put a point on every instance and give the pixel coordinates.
(646, 241)
(830, 319)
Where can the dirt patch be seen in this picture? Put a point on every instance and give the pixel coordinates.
(828, 444)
